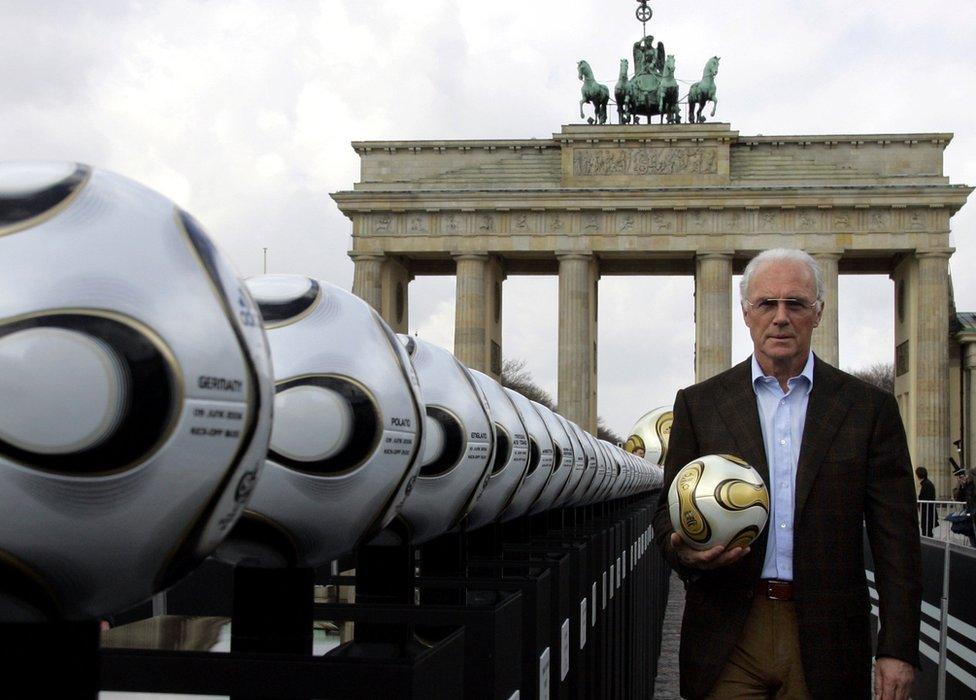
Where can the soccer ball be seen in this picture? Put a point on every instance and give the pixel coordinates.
(136, 385)
(563, 460)
(567, 497)
(510, 456)
(540, 457)
(718, 500)
(458, 445)
(651, 432)
(348, 422)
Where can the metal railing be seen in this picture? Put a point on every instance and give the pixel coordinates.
(933, 524)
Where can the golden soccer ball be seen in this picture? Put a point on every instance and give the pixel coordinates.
(718, 500)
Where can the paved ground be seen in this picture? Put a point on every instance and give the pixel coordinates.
(666, 685)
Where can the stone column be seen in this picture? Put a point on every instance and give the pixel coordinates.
(395, 286)
(713, 314)
(825, 337)
(367, 278)
(969, 403)
(471, 323)
(494, 277)
(932, 369)
(577, 340)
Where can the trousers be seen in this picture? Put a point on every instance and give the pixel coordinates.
(765, 662)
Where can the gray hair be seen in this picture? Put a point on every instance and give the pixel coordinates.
(777, 255)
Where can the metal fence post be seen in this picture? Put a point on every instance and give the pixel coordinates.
(944, 625)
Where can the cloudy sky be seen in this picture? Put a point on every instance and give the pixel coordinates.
(242, 112)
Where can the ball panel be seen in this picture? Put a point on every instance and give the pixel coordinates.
(352, 433)
(142, 420)
(311, 423)
(283, 299)
(444, 446)
(736, 494)
(70, 390)
(692, 523)
(31, 191)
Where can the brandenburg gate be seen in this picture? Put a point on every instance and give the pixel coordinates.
(695, 199)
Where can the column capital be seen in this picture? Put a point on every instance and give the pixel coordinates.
(944, 253)
(968, 342)
(574, 255)
(357, 256)
(470, 256)
(714, 255)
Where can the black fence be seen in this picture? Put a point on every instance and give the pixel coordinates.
(947, 644)
(568, 604)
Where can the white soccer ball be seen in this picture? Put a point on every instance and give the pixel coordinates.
(460, 438)
(510, 455)
(348, 422)
(718, 500)
(136, 391)
(564, 460)
(540, 457)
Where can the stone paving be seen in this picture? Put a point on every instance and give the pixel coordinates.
(666, 684)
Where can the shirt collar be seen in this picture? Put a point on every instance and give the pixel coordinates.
(758, 374)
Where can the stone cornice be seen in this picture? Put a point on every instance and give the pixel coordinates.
(616, 133)
(363, 147)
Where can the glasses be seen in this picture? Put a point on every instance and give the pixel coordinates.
(794, 307)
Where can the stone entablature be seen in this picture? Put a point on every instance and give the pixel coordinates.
(651, 156)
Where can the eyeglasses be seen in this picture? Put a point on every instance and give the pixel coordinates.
(794, 307)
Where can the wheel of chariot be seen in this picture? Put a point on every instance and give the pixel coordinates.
(644, 12)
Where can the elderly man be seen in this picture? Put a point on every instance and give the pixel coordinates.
(789, 617)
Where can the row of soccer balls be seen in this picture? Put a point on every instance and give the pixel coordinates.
(139, 378)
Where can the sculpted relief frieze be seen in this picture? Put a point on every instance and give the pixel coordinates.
(656, 222)
(645, 161)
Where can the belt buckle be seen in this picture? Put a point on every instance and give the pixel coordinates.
(773, 589)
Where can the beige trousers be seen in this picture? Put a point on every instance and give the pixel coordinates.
(766, 661)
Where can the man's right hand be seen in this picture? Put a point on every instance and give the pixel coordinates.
(705, 558)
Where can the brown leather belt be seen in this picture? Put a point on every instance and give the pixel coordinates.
(775, 590)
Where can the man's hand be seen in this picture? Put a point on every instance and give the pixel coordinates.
(707, 558)
(893, 678)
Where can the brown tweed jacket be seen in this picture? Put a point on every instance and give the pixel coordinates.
(854, 471)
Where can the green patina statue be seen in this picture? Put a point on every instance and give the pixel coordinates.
(593, 92)
(703, 91)
(653, 90)
(647, 59)
(620, 93)
(667, 92)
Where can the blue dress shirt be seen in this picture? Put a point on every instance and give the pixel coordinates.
(781, 416)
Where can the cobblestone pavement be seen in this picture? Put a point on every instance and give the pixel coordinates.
(666, 685)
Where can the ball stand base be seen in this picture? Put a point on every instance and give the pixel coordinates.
(50, 659)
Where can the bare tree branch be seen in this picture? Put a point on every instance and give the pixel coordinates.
(881, 374)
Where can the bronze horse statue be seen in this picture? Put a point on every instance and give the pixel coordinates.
(667, 93)
(703, 91)
(593, 92)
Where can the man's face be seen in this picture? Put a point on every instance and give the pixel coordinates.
(781, 333)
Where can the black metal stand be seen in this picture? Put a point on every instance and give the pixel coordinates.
(272, 610)
(50, 659)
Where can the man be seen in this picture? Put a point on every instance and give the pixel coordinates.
(926, 492)
(790, 615)
(965, 491)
